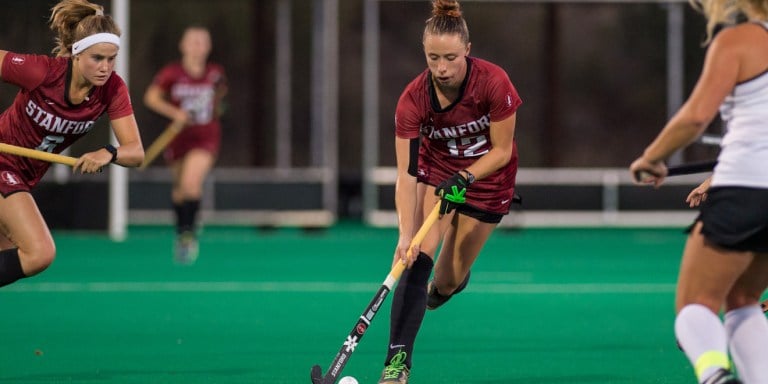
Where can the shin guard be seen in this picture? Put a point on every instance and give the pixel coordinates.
(409, 304)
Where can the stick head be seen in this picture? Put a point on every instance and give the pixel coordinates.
(317, 375)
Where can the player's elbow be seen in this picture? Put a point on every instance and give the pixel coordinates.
(151, 103)
(697, 123)
(152, 98)
(694, 119)
(138, 161)
(148, 98)
(503, 156)
(138, 158)
(134, 158)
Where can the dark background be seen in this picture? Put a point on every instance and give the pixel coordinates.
(592, 75)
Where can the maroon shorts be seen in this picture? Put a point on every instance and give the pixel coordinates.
(11, 182)
(19, 174)
(493, 194)
(190, 138)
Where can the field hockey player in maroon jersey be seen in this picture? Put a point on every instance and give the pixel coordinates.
(58, 102)
(189, 92)
(454, 126)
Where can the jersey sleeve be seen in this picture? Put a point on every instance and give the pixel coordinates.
(120, 100)
(165, 78)
(407, 122)
(25, 71)
(503, 96)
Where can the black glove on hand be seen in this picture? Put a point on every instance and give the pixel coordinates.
(452, 192)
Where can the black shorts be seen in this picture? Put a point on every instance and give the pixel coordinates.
(736, 218)
(483, 216)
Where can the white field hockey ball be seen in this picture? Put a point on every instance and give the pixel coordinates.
(348, 380)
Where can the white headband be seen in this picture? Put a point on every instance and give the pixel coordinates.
(82, 45)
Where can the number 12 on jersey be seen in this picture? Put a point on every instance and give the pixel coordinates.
(468, 146)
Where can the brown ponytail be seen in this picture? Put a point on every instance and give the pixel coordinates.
(73, 20)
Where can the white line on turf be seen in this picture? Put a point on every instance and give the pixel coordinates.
(327, 287)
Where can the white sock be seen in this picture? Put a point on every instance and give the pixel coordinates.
(747, 331)
(701, 334)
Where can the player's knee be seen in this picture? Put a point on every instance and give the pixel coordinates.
(741, 298)
(447, 287)
(450, 285)
(713, 303)
(190, 191)
(37, 258)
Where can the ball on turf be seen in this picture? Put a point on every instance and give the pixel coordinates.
(348, 380)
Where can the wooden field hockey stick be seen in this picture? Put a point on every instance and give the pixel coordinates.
(162, 141)
(342, 357)
(38, 155)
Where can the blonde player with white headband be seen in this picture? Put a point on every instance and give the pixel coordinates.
(724, 270)
(59, 100)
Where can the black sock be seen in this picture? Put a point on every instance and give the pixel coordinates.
(408, 306)
(186, 215)
(10, 266)
(177, 207)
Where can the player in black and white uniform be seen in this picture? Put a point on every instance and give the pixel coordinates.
(725, 261)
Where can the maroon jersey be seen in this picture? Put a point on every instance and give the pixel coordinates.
(455, 137)
(42, 116)
(198, 97)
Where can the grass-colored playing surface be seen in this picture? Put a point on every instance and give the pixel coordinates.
(543, 306)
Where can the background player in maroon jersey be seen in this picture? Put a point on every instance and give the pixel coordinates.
(59, 100)
(455, 126)
(190, 92)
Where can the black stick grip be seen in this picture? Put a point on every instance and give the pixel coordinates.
(687, 169)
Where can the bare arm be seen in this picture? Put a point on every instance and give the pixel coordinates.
(699, 194)
(156, 99)
(502, 141)
(130, 152)
(405, 198)
(718, 77)
(2, 57)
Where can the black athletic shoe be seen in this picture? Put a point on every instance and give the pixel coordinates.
(722, 376)
(764, 306)
(435, 299)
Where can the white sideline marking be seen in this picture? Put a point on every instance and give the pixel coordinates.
(328, 287)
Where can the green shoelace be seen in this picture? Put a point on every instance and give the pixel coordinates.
(392, 371)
